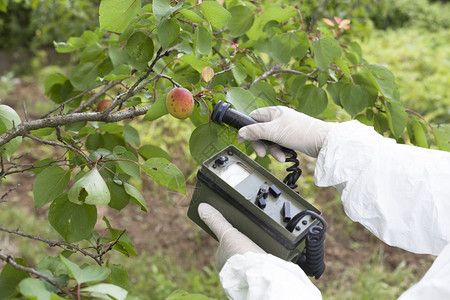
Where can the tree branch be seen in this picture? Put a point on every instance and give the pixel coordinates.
(276, 70)
(10, 260)
(55, 121)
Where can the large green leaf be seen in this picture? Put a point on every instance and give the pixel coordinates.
(72, 221)
(165, 173)
(8, 119)
(206, 140)
(119, 276)
(140, 46)
(84, 76)
(241, 20)
(242, 100)
(385, 81)
(325, 51)
(168, 31)
(265, 91)
(442, 135)
(136, 196)
(289, 45)
(311, 100)
(10, 278)
(149, 151)
(49, 184)
(397, 118)
(215, 13)
(162, 9)
(203, 40)
(119, 197)
(34, 288)
(157, 110)
(353, 98)
(115, 15)
(90, 273)
(90, 189)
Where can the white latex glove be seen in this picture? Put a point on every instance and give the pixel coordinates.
(285, 127)
(231, 241)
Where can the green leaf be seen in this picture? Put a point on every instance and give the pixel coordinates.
(396, 117)
(72, 221)
(84, 76)
(165, 173)
(215, 14)
(334, 90)
(197, 64)
(149, 151)
(136, 196)
(241, 20)
(158, 109)
(385, 81)
(90, 273)
(420, 137)
(206, 140)
(128, 163)
(265, 91)
(168, 31)
(118, 55)
(353, 98)
(162, 9)
(292, 44)
(192, 15)
(90, 189)
(140, 46)
(442, 136)
(364, 79)
(119, 276)
(10, 278)
(119, 197)
(239, 72)
(242, 100)
(33, 288)
(49, 184)
(115, 15)
(8, 119)
(343, 67)
(112, 290)
(203, 40)
(311, 100)
(131, 135)
(325, 51)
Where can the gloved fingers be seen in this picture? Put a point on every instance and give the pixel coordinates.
(259, 131)
(265, 114)
(260, 148)
(214, 220)
(234, 242)
(276, 151)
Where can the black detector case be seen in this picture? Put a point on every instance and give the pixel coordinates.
(254, 201)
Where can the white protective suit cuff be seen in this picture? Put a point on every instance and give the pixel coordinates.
(398, 192)
(256, 276)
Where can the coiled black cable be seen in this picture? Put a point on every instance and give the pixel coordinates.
(295, 172)
(311, 260)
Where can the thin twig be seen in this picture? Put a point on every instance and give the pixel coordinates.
(2, 199)
(10, 260)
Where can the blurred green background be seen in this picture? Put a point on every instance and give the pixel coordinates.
(409, 37)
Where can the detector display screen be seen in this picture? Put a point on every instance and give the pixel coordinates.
(234, 174)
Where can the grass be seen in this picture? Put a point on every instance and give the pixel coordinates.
(420, 61)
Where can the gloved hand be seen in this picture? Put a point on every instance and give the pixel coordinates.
(285, 127)
(231, 241)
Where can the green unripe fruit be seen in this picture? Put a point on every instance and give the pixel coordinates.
(180, 103)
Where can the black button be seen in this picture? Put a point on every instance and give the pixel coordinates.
(274, 191)
(260, 202)
(220, 161)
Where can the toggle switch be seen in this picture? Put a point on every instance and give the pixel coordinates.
(274, 191)
(260, 202)
(221, 161)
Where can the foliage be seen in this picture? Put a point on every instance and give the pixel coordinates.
(248, 54)
(38, 23)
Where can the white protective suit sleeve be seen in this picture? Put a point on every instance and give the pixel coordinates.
(400, 193)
